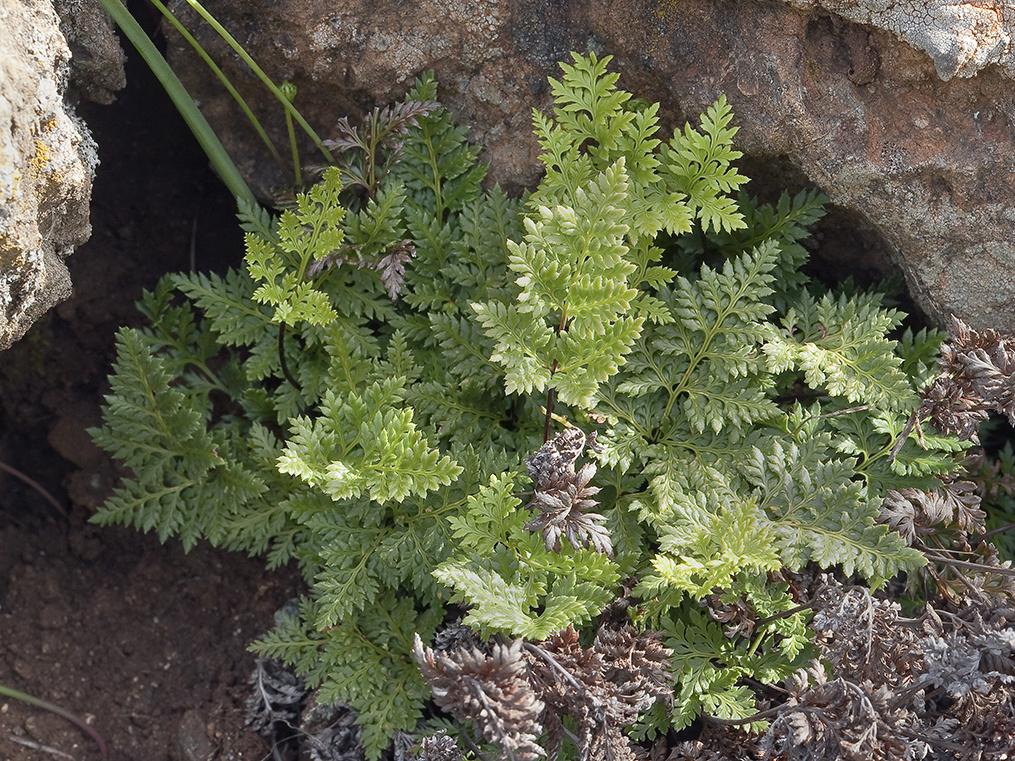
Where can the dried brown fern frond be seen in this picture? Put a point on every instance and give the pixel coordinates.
(970, 658)
(948, 526)
(970, 654)
(915, 513)
(987, 475)
(715, 743)
(902, 688)
(860, 636)
(844, 721)
(277, 697)
(738, 614)
(638, 664)
(382, 129)
(492, 691)
(439, 747)
(603, 688)
(390, 265)
(563, 496)
(383, 125)
(977, 377)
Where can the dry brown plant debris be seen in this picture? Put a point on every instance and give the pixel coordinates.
(524, 689)
(563, 496)
(977, 377)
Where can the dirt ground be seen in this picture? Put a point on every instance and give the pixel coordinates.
(147, 642)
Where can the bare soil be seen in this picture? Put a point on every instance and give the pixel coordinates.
(148, 643)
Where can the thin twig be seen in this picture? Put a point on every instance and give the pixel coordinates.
(837, 413)
(35, 485)
(980, 597)
(902, 437)
(549, 413)
(939, 742)
(550, 398)
(37, 746)
(902, 697)
(963, 564)
(568, 677)
(785, 614)
(761, 716)
(467, 738)
(994, 532)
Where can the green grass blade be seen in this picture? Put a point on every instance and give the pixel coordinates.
(290, 109)
(181, 99)
(171, 18)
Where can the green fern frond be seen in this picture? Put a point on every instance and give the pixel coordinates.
(254, 218)
(309, 233)
(527, 592)
(438, 166)
(227, 305)
(697, 165)
(363, 444)
(842, 348)
(818, 512)
(589, 105)
(366, 664)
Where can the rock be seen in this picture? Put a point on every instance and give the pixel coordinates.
(192, 738)
(97, 58)
(961, 38)
(47, 161)
(491, 58)
(89, 486)
(918, 166)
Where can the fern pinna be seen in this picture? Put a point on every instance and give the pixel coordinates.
(425, 392)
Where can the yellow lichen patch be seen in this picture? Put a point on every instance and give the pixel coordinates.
(41, 158)
(666, 10)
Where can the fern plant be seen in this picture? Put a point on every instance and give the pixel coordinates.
(620, 387)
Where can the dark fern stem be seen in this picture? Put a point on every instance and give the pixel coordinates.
(281, 358)
(549, 415)
(549, 393)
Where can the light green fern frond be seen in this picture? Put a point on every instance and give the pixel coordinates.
(840, 345)
(698, 165)
(818, 512)
(311, 232)
(366, 444)
(513, 583)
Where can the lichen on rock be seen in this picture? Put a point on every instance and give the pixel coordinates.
(961, 37)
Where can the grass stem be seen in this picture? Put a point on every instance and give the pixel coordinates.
(195, 120)
(289, 107)
(171, 18)
(35, 485)
(47, 706)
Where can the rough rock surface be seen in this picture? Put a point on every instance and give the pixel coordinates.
(47, 160)
(917, 166)
(97, 58)
(961, 37)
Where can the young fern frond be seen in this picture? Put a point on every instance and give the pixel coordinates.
(698, 165)
(311, 232)
(351, 450)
